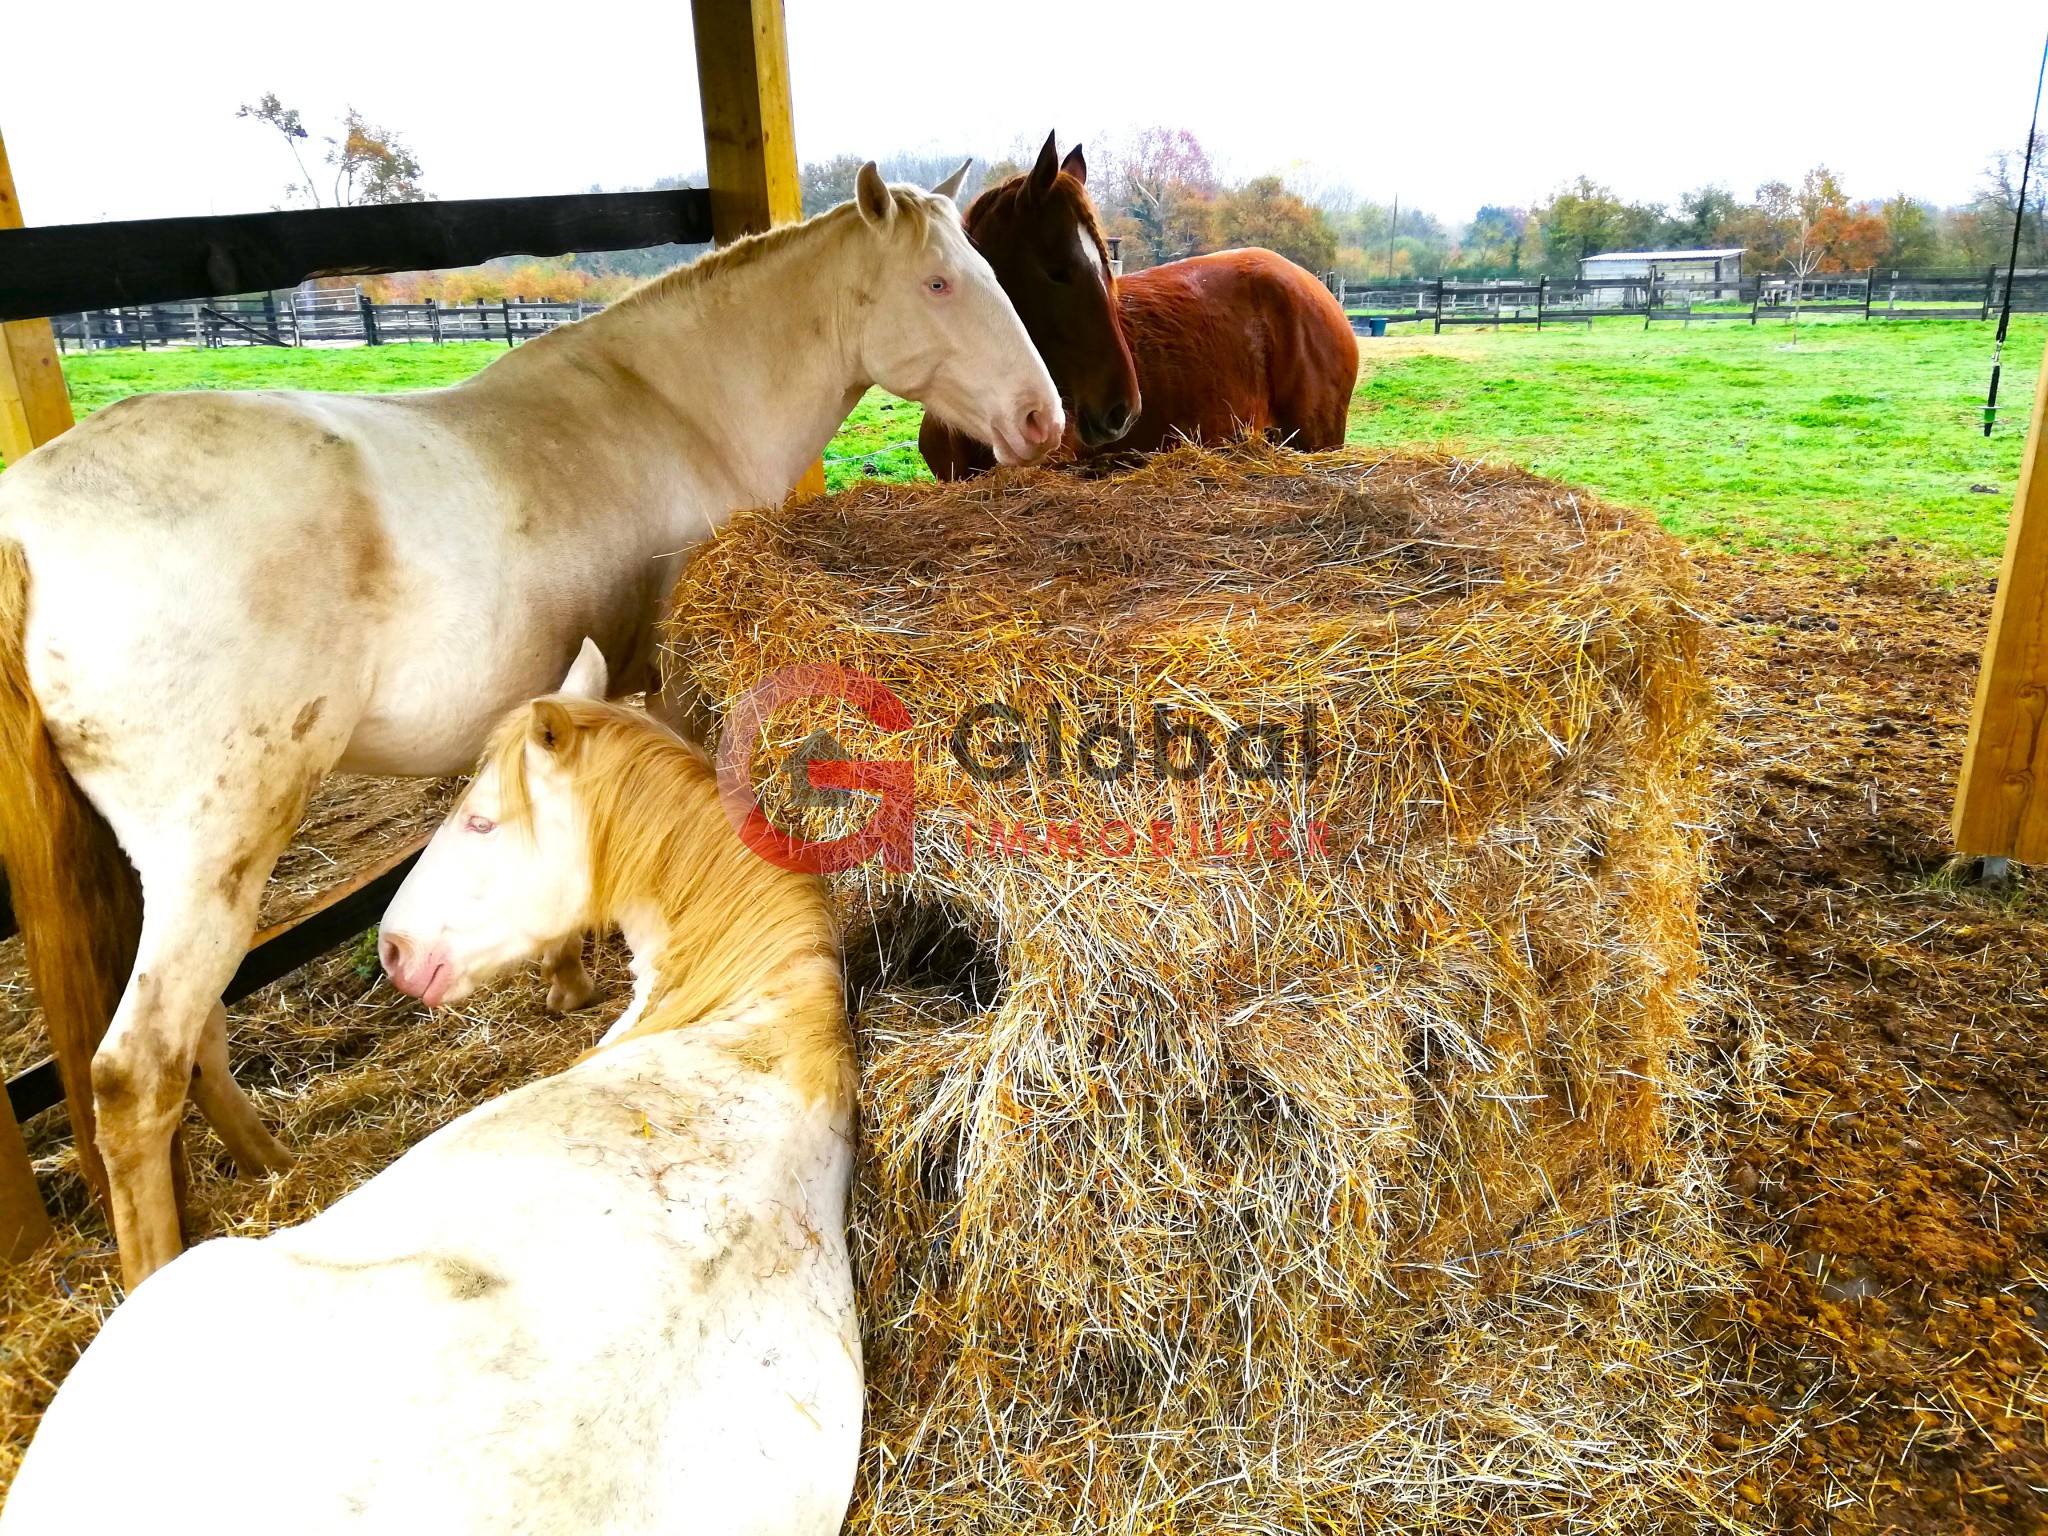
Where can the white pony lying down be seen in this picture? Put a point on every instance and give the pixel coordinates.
(617, 1300)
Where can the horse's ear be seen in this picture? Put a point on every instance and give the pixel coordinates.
(1076, 166)
(872, 194)
(549, 727)
(950, 187)
(1047, 170)
(588, 676)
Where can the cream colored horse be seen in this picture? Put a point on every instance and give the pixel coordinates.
(615, 1301)
(209, 601)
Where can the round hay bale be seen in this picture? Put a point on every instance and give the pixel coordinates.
(1297, 1143)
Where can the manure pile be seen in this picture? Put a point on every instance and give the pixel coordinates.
(1294, 1130)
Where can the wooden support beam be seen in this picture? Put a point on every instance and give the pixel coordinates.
(749, 131)
(2002, 799)
(34, 406)
(749, 137)
(56, 269)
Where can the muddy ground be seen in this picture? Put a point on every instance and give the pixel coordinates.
(1886, 1135)
(1892, 1179)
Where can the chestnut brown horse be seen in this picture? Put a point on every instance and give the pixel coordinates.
(1204, 348)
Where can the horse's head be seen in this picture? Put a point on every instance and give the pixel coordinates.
(1040, 234)
(508, 874)
(933, 325)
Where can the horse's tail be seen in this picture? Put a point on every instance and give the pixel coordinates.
(75, 896)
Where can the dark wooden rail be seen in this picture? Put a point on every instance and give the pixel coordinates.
(57, 268)
(338, 916)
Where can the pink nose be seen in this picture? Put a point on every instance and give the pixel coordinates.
(416, 973)
(1041, 428)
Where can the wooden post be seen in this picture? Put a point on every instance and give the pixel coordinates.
(1542, 287)
(34, 406)
(2002, 799)
(749, 134)
(1439, 327)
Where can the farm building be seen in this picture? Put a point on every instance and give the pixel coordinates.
(1716, 266)
(1625, 279)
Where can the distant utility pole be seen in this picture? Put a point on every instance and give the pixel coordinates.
(1393, 224)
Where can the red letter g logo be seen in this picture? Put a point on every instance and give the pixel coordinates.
(887, 831)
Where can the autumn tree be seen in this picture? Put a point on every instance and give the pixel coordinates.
(1838, 237)
(371, 164)
(1583, 219)
(1910, 232)
(1494, 240)
(274, 114)
(1997, 200)
(1766, 228)
(1157, 192)
(1263, 212)
(828, 183)
(1700, 221)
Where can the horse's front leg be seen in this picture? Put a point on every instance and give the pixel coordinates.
(569, 983)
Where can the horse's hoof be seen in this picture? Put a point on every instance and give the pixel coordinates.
(567, 994)
(261, 1162)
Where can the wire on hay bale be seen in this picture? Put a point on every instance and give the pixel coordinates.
(1289, 1189)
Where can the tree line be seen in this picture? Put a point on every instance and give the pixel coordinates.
(1160, 191)
(1161, 195)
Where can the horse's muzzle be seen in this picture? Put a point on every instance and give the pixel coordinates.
(1107, 426)
(424, 974)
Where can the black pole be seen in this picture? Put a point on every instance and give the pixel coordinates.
(2012, 259)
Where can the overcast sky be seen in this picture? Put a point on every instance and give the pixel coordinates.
(128, 110)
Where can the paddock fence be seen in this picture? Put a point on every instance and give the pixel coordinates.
(1873, 295)
(311, 318)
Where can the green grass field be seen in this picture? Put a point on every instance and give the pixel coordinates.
(1861, 432)
(1729, 433)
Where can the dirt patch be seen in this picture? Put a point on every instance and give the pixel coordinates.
(1889, 1178)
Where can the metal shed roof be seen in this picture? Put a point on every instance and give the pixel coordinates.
(1730, 250)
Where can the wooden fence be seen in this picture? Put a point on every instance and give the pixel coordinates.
(310, 317)
(345, 316)
(1873, 295)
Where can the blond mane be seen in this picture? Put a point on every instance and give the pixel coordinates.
(918, 206)
(749, 944)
